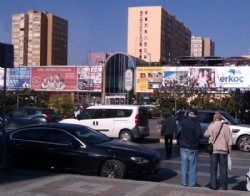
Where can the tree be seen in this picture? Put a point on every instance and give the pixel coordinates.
(62, 104)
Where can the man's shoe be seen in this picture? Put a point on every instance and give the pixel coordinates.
(212, 188)
(183, 184)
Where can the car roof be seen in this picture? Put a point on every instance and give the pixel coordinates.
(114, 106)
(40, 108)
(201, 110)
(65, 126)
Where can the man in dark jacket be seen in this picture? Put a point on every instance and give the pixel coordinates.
(168, 129)
(189, 144)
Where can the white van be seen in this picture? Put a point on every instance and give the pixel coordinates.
(126, 122)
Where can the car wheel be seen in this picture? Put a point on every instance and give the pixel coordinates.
(113, 169)
(126, 136)
(243, 143)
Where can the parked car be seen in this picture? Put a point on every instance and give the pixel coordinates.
(30, 115)
(240, 132)
(116, 121)
(77, 148)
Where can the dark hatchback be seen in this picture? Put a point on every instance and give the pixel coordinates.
(77, 148)
(30, 115)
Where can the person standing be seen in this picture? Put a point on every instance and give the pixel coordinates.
(168, 129)
(189, 145)
(221, 148)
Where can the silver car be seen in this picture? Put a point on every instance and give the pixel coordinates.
(240, 132)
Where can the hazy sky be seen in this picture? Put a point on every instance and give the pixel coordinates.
(101, 25)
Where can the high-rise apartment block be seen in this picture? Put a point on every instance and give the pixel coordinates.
(39, 39)
(201, 46)
(154, 34)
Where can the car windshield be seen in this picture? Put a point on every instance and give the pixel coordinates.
(90, 136)
(229, 118)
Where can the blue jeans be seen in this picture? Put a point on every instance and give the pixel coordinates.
(189, 161)
(221, 160)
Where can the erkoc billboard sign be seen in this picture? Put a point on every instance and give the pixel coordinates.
(53, 78)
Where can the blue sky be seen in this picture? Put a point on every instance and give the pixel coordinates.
(101, 25)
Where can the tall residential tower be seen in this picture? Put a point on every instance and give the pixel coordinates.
(154, 34)
(39, 39)
(201, 46)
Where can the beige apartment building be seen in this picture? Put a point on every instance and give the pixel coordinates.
(202, 46)
(39, 39)
(154, 34)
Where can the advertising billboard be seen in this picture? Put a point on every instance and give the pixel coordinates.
(148, 78)
(89, 78)
(53, 78)
(211, 79)
(19, 78)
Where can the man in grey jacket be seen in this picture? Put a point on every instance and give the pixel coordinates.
(168, 129)
(222, 148)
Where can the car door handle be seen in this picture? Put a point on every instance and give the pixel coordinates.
(93, 122)
(96, 122)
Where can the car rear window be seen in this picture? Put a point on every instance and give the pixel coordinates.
(49, 111)
(143, 116)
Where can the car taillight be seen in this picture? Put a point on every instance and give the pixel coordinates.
(47, 117)
(137, 119)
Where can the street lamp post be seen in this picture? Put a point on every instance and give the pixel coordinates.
(94, 100)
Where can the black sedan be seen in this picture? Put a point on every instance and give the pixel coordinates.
(78, 148)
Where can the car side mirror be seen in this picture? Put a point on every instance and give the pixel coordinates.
(224, 121)
(75, 144)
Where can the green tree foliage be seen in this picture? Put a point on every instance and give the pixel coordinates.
(62, 104)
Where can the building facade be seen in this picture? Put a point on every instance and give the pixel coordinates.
(39, 39)
(156, 35)
(202, 46)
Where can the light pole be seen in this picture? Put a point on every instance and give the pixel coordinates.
(94, 100)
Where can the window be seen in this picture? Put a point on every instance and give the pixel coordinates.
(145, 56)
(29, 134)
(104, 113)
(123, 113)
(146, 25)
(18, 112)
(145, 50)
(146, 19)
(140, 50)
(140, 56)
(141, 13)
(140, 44)
(145, 37)
(146, 12)
(146, 31)
(87, 114)
(145, 43)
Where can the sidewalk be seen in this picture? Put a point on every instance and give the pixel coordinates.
(29, 183)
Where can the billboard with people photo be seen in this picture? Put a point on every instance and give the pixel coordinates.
(53, 78)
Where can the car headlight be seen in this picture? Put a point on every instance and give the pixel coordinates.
(139, 160)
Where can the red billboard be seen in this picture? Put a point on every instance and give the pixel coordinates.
(53, 78)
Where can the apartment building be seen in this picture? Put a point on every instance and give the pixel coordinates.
(39, 39)
(154, 34)
(202, 46)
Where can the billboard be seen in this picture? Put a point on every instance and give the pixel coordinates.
(148, 78)
(53, 78)
(207, 78)
(89, 78)
(19, 78)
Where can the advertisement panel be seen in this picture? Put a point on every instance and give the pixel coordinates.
(148, 78)
(19, 78)
(233, 77)
(53, 78)
(89, 78)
